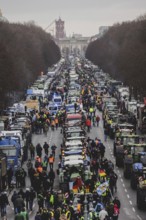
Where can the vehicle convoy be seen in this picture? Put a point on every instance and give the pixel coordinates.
(62, 100)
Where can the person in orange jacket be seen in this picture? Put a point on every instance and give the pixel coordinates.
(88, 124)
(56, 122)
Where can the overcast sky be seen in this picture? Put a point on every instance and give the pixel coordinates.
(80, 16)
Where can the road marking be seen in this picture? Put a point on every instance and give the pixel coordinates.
(121, 180)
(133, 209)
(139, 217)
(127, 211)
(125, 190)
(50, 138)
(128, 196)
(130, 202)
(123, 185)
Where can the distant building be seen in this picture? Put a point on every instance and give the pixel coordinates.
(102, 31)
(60, 33)
(1, 17)
(74, 44)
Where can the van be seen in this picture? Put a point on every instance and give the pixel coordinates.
(57, 100)
(53, 109)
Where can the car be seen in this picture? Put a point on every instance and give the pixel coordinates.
(73, 119)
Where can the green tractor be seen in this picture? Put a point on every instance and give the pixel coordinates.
(136, 172)
(119, 156)
(137, 169)
(131, 156)
(141, 191)
(120, 144)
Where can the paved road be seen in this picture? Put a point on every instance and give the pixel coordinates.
(127, 196)
(51, 138)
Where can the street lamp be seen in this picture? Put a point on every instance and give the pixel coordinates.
(85, 208)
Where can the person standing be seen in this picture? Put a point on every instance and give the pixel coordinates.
(46, 147)
(103, 214)
(53, 124)
(22, 193)
(24, 214)
(51, 176)
(116, 212)
(117, 201)
(27, 197)
(51, 161)
(53, 148)
(88, 124)
(29, 166)
(97, 120)
(13, 199)
(19, 203)
(45, 163)
(56, 122)
(75, 107)
(40, 199)
(19, 216)
(10, 176)
(3, 203)
(32, 196)
(39, 150)
(32, 151)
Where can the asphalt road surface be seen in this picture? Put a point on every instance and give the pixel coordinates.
(127, 196)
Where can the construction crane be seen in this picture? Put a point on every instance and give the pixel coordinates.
(53, 22)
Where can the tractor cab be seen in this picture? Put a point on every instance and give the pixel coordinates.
(131, 155)
(120, 144)
(137, 170)
(141, 191)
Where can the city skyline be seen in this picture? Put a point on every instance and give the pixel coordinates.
(81, 17)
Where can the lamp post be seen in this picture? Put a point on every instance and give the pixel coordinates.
(85, 208)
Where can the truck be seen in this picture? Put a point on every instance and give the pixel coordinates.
(131, 107)
(32, 105)
(3, 171)
(123, 93)
(142, 118)
(15, 135)
(11, 149)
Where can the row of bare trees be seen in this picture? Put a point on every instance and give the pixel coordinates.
(122, 53)
(25, 51)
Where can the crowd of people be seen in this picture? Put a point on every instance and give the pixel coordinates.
(59, 204)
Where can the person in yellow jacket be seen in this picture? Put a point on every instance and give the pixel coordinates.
(91, 110)
(68, 214)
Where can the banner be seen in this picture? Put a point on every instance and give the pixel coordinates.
(102, 188)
